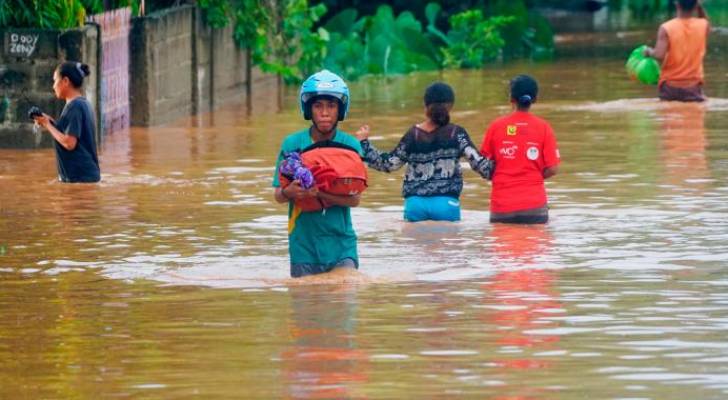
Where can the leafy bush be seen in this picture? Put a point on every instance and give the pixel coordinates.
(278, 33)
(57, 14)
(474, 40)
(217, 13)
(718, 12)
(385, 44)
(379, 44)
(528, 36)
(645, 10)
(43, 14)
(296, 50)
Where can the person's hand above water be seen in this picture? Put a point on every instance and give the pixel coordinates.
(362, 133)
(43, 120)
(296, 191)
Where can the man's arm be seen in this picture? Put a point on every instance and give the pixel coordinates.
(294, 191)
(550, 171)
(660, 49)
(280, 196)
(344, 201)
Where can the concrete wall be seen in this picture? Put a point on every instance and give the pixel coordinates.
(161, 66)
(180, 67)
(203, 89)
(26, 78)
(229, 65)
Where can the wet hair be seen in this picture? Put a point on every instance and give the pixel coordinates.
(687, 5)
(439, 97)
(74, 71)
(524, 90)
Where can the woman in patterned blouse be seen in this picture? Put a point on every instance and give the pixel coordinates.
(432, 150)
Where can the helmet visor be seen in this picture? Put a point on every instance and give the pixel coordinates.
(306, 97)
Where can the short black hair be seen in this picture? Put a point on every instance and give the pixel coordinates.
(74, 71)
(524, 90)
(687, 5)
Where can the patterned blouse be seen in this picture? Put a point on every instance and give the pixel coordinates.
(433, 160)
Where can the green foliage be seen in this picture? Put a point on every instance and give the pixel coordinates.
(217, 13)
(251, 23)
(278, 33)
(55, 14)
(397, 45)
(529, 35)
(346, 44)
(538, 38)
(474, 40)
(93, 6)
(293, 50)
(645, 10)
(100, 6)
(44, 14)
(645, 13)
(432, 10)
(718, 12)
(379, 44)
(385, 44)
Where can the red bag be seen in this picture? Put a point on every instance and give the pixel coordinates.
(337, 169)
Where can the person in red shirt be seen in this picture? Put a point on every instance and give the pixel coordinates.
(525, 152)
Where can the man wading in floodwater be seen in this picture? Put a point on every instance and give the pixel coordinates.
(680, 47)
(319, 241)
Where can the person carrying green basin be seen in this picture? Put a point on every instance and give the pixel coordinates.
(681, 44)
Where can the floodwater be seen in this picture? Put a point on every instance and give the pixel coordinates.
(167, 280)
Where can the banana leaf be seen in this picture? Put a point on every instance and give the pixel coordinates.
(343, 22)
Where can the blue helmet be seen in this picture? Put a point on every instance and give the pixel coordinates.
(324, 83)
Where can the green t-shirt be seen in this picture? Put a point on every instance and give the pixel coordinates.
(322, 237)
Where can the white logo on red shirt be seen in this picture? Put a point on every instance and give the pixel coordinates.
(509, 152)
(532, 153)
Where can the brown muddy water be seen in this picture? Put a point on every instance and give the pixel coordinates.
(160, 282)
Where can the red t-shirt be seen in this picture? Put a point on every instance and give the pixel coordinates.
(522, 145)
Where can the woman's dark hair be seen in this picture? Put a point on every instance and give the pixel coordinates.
(439, 97)
(524, 90)
(74, 71)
